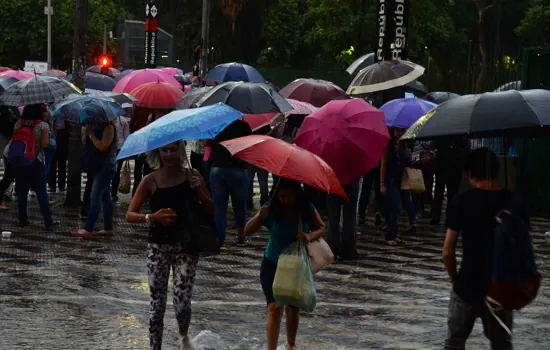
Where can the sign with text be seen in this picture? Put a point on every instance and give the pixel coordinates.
(381, 47)
(392, 30)
(38, 67)
(151, 29)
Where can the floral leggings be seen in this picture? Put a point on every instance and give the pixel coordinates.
(160, 258)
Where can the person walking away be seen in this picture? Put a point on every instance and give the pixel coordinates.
(7, 123)
(99, 156)
(281, 217)
(370, 180)
(122, 128)
(168, 189)
(31, 131)
(7, 179)
(394, 161)
(229, 178)
(451, 154)
(262, 176)
(58, 169)
(472, 215)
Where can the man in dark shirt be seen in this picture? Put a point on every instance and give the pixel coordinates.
(472, 215)
(229, 177)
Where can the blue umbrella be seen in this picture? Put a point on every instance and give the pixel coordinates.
(84, 108)
(234, 72)
(123, 74)
(188, 124)
(97, 81)
(404, 112)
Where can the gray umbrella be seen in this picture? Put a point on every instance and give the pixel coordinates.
(360, 63)
(508, 113)
(416, 85)
(384, 76)
(439, 97)
(247, 98)
(192, 97)
(38, 89)
(513, 85)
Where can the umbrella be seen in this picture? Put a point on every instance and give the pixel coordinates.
(248, 98)
(315, 92)
(508, 113)
(6, 82)
(112, 72)
(144, 76)
(119, 97)
(301, 108)
(285, 160)
(4, 69)
(55, 73)
(416, 85)
(17, 74)
(404, 112)
(383, 76)
(123, 74)
(440, 97)
(234, 72)
(157, 95)
(257, 121)
(513, 85)
(188, 124)
(95, 81)
(39, 89)
(169, 70)
(350, 135)
(182, 79)
(96, 107)
(192, 97)
(360, 63)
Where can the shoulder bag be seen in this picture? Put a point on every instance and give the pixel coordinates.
(318, 250)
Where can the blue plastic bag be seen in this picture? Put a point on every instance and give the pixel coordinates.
(294, 283)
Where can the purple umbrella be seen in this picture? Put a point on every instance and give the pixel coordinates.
(404, 112)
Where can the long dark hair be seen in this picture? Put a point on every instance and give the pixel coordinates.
(301, 205)
(33, 112)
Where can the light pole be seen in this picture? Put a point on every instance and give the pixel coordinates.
(49, 13)
(204, 44)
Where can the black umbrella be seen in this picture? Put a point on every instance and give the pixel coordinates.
(192, 97)
(440, 97)
(248, 98)
(509, 113)
(96, 81)
(416, 85)
(513, 85)
(360, 63)
(6, 82)
(182, 79)
(383, 76)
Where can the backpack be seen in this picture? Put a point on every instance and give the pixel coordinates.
(22, 151)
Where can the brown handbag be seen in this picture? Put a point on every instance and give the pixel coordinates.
(125, 183)
(318, 250)
(413, 181)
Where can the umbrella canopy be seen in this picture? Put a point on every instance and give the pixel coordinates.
(120, 98)
(416, 85)
(440, 97)
(123, 74)
(96, 81)
(98, 108)
(157, 95)
(257, 121)
(513, 85)
(360, 63)
(6, 82)
(301, 108)
(248, 98)
(55, 73)
(404, 112)
(192, 97)
(144, 76)
(39, 89)
(315, 92)
(350, 135)
(234, 72)
(4, 69)
(168, 70)
(188, 124)
(112, 72)
(17, 74)
(383, 76)
(285, 160)
(508, 113)
(182, 79)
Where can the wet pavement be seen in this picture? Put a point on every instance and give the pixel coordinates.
(63, 292)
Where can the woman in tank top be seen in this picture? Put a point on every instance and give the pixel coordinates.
(168, 189)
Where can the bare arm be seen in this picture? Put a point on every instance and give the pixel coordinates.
(143, 193)
(449, 253)
(254, 224)
(318, 227)
(45, 139)
(106, 139)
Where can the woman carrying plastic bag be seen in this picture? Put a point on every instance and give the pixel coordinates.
(289, 207)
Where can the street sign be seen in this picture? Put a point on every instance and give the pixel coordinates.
(154, 11)
(38, 67)
(151, 28)
(50, 12)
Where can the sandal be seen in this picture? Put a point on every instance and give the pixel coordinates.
(83, 233)
(392, 243)
(400, 241)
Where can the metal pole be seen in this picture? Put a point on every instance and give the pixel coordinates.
(204, 33)
(104, 38)
(49, 34)
(468, 68)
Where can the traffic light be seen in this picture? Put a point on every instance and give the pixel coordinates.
(105, 61)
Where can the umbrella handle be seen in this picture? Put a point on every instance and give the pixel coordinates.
(274, 191)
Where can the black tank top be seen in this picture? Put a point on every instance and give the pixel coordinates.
(175, 198)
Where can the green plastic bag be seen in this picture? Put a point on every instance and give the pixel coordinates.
(294, 283)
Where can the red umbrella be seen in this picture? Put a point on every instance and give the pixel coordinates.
(285, 160)
(4, 69)
(316, 92)
(55, 73)
(350, 135)
(157, 95)
(144, 76)
(257, 121)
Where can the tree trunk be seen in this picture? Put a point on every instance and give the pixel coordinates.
(482, 52)
(79, 65)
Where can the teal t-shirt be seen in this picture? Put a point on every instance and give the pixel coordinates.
(283, 232)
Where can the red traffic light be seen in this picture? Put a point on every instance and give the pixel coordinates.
(105, 61)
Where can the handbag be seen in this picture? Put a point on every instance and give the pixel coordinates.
(125, 179)
(413, 181)
(318, 251)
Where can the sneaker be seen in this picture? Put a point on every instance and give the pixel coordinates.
(243, 241)
(223, 249)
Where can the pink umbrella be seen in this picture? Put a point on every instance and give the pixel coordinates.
(350, 135)
(144, 76)
(316, 92)
(4, 69)
(168, 70)
(187, 88)
(257, 121)
(301, 108)
(17, 74)
(55, 73)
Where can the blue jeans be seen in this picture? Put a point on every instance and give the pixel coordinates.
(32, 176)
(48, 155)
(393, 209)
(101, 193)
(225, 182)
(409, 207)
